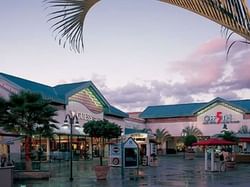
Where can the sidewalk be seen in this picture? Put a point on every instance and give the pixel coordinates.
(172, 171)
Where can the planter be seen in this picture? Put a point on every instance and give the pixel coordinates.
(101, 172)
(22, 175)
(6, 176)
(230, 164)
(189, 155)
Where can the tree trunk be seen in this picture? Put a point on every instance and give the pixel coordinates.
(28, 163)
(101, 152)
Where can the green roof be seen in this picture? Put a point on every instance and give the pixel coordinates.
(244, 104)
(65, 89)
(167, 111)
(115, 112)
(132, 131)
(60, 93)
(190, 109)
(46, 91)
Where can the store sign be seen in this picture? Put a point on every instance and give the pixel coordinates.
(85, 116)
(219, 118)
(115, 155)
(82, 112)
(115, 150)
(138, 135)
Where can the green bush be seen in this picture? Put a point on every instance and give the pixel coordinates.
(189, 140)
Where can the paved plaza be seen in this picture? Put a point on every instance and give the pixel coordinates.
(172, 171)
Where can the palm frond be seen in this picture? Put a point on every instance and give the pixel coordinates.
(233, 14)
(244, 130)
(68, 18)
(191, 131)
(161, 135)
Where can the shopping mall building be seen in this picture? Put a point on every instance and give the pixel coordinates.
(210, 117)
(87, 102)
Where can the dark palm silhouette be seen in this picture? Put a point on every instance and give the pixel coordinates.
(67, 17)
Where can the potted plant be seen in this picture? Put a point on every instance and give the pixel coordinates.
(102, 130)
(188, 141)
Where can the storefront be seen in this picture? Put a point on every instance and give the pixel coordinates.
(87, 103)
(81, 99)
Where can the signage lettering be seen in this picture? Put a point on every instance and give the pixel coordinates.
(219, 118)
(85, 116)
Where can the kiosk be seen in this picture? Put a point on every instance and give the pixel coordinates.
(147, 147)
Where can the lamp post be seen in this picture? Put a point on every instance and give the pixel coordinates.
(71, 119)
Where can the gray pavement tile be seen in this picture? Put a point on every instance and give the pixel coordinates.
(172, 171)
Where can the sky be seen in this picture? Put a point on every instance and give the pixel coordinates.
(138, 53)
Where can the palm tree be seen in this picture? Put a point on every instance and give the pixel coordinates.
(244, 130)
(161, 137)
(191, 131)
(28, 114)
(190, 135)
(68, 17)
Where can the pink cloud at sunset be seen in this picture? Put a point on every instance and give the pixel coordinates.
(215, 45)
(205, 73)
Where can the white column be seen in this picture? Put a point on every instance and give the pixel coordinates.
(205, 159)
(212, 159)
(148, 149)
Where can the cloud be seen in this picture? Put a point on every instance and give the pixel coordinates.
(200, 77)
(213, 46)
(133, 97)
(204, 72)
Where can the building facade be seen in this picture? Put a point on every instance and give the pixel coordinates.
(209, 118)
(85, 100)
(82, 99)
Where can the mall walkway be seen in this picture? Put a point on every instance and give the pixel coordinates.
(173, 171)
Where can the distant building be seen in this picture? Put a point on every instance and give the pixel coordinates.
(209, 117)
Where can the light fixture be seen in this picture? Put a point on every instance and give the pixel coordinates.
(73, 121)
(65, 124)
(76, 125)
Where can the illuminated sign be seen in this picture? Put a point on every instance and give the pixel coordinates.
(138, 135)
(219, 118)
(85, 116)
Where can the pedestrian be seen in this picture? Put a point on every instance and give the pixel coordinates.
(3, 160)
(222, 153)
